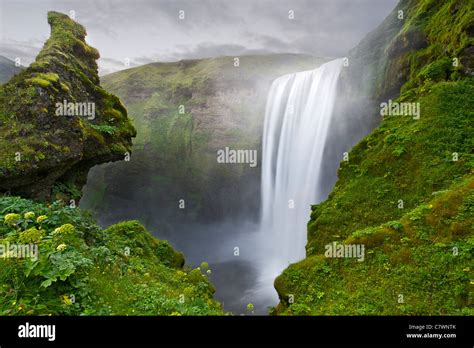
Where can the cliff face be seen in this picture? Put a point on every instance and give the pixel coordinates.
(406, 191)
(184, 113)
(56, 121)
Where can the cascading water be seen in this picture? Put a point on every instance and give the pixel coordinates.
(297, 118)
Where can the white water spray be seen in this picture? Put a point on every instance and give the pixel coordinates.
(298, 114)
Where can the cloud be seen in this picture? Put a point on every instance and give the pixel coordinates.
(150, 30)
(25, 51)
(209, 49)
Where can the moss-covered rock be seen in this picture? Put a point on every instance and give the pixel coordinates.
(132, 236)
(42, 149)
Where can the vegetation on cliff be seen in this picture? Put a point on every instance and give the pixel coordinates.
(406, 191)
(46, 154)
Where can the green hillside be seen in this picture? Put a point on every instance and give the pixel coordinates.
(406, 192)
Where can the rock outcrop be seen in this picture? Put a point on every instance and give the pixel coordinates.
(56, 121)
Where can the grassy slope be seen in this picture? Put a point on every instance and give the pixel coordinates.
(122, 270)
(409, 251)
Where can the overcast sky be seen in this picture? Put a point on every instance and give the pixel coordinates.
(145, 31)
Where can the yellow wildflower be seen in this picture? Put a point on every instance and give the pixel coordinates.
(11, 219)
(67, 300)
(29, 215)
(64, 229)
(31, 235)
(41, 218)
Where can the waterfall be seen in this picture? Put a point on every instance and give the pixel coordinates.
(298, 114)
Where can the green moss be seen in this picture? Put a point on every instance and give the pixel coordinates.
(438, 70)
(169, 256)
(64, 87)
(132, 235)
(104, 128)
(446, 26)
(43, 80)
(39, 82)
(28, 106)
